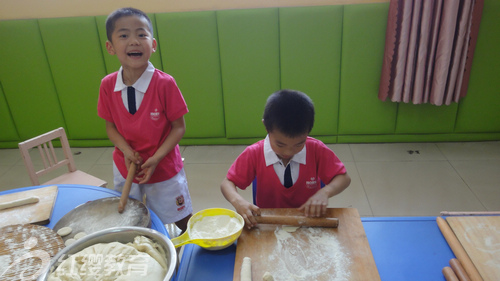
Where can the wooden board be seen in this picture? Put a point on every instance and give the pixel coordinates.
(26, 250)
(341, 253)
(38, 213)
(480, 238)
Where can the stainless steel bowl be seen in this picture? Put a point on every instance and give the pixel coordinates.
(123, 234)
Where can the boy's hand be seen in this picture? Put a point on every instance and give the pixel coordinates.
(132, 156)
(147, 170)
(316, 205)
(248, 211)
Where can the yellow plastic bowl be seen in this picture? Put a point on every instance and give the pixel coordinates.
(210, 244)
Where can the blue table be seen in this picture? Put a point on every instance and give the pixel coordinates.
(70, 196)
(404, 248)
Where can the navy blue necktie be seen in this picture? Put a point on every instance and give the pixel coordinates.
(288, 177)
(131, 100)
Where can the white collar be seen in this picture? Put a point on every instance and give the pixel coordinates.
(271, 157)
(141, 84)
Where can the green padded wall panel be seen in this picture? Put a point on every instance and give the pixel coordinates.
(75, 59)
(363, 41)
(425, 118)
(8, 129)
(26, 80)
(310, 49)
(479, 111)
(249, 48)
(112, 63)
(190, 53)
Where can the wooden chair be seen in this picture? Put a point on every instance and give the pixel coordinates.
(51, 163)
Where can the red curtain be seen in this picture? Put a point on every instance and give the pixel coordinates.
(428, 50)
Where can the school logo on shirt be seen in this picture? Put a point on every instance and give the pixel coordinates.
(155, 115)
(312, 183)
(179, 201)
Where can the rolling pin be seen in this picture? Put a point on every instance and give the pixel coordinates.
(298, 221)
(458, 250)
(126, 187)
(459, 270)
(449, 275)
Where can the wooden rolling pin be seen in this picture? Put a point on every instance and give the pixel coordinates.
(126, 187)
(459, 270)
(449, 275)
(298, 221)
(458, 250)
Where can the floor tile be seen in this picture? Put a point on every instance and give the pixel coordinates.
(343, 152)
(483, 178)
(396, 152)
(10, 157)
(470, 150)
(415, 188)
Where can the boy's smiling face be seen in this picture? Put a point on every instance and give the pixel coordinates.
(132, 42)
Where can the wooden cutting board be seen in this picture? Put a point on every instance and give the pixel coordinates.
(38, 213)
(26, 250)
(341, 253)
(480, 238)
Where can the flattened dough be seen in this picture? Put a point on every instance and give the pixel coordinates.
(19, 202)
(80, 235)
(65, 231)
(267, 277)
(289, 228)
(69, 241)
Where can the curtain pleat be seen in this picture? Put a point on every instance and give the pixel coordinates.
(427, 50)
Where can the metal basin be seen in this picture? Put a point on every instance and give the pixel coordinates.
(124, 234)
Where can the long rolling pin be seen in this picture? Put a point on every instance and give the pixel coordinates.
(458, 250)
(126, 187)
(298, 221)
(449, 275)
(459, 270)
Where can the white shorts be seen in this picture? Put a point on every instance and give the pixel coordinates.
(169, 200)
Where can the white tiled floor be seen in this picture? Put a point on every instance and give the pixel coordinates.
(387, 179)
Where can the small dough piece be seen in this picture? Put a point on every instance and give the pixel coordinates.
(19, 202)
(80, 235)
(69, 241)
(65, 231)
(289, 228)
(267, 277)
(246, 269)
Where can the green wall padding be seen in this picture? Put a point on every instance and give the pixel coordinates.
(76, 63)
(425, 118)
(190, 53)
(249, 49)
(479, 111)
(8, 128)
(26, 79)
(310, 50)
(363, 41)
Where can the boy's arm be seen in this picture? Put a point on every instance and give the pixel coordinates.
(174, 137)
(316, 205)
(119, 141)
(242, 206)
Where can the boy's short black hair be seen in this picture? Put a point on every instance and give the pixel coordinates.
(124, 12)
(290, 112)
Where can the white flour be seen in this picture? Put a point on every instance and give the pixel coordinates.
(292, 260)
(214, 227)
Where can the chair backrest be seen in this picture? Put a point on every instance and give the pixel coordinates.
(47, 154)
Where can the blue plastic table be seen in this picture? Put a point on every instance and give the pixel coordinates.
(404, 248)
(70, 196)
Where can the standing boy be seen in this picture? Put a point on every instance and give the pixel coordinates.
(288, 165)
(144, 112)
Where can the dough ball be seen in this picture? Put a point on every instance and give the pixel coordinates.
(290, 229)
(80, 235)
(69, 241)
(64, 231)
(267, 277)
